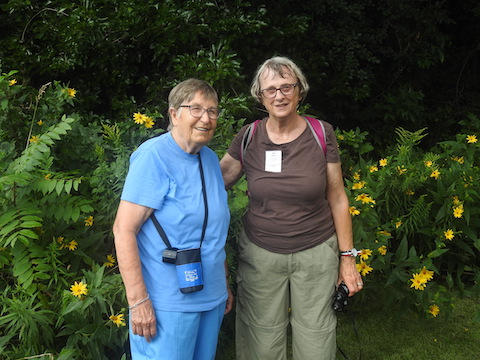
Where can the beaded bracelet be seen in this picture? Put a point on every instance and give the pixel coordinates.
(139, 303)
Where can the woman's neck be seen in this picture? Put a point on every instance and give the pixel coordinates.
(283, 130)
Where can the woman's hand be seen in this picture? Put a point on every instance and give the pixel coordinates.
(349, 275)
(230, 299)
(143, 320)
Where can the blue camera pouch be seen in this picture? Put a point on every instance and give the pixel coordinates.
(189, 270)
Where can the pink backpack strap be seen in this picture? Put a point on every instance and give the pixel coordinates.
(247, 138)
(318, 130)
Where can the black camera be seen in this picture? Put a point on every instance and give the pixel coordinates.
(170, 255)
(340, 297)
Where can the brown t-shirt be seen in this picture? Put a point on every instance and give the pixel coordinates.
(288, 210)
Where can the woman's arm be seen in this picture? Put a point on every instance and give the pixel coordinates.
(338, 201)
(231, 170)
(130, 218)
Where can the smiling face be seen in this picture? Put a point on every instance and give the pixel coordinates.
(280, 106)
(192, 133)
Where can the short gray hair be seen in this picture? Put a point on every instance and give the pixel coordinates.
(185, 92)
(279, 65)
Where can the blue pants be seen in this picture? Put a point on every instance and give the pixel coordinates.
(181, 336)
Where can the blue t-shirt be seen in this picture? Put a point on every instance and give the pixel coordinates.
(164, 177)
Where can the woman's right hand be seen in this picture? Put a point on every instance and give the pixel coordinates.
(143, 320)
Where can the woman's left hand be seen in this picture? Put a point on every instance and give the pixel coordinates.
(230, 299)
(349, 275)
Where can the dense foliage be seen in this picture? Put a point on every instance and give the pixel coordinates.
(82, 84)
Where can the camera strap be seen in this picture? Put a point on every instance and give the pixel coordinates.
(354, 325)
(159, 227)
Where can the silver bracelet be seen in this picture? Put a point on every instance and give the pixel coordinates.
(139, 303)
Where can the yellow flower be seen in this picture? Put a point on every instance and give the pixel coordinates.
(40, 122)
(118, 319)
(428, 163)
(373, 169)
(70, 92)
(341, 137)
(353, 211)
(458, 211)
(89, 221)
(34, 139)
(138, 118)
(78, 289)
(382, 250)
(358, 185)
(60, 242)
(434, 310)
(472, 139)
(111, 261)
(365, 254)
(365, 199)
(410, 192)
(398, 224)
(72, 245)
(356, 176)
(449, 235)
(383, 162)
(460, 160)
(455, 200)
(384, 232)
(435, 174)
(401, 170)
(418, 282)
(427, 274)
(149, 122)
(363, 268)
(12, 82)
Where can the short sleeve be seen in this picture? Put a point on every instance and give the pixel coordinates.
(147, 181)
(333, 154)
(235, 146)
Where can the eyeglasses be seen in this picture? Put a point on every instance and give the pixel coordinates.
(198, 111)
(286, 89)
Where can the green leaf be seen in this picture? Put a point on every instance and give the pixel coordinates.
(67, 213)
(51, 185)
(73, 306)
(31, 224)
(59, 186)
(402, 250)
(68, 186)
(437, 253)
(26, 279)
(20, 267)
(6, 229)
(75, 214)
(29, 233)
(462, 245)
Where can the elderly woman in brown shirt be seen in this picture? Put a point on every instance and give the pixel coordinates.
(295, 229)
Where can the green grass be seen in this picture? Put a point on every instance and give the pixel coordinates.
(386, 335)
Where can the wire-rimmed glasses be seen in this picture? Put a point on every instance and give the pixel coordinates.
(198, 111)
(286, 89)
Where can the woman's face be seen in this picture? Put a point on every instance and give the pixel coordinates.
(280, 106)
(192, 133)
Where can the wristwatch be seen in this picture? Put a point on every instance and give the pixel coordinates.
(353, 252)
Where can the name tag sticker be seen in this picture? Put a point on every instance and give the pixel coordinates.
(273, 161)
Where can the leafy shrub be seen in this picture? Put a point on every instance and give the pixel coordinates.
(49, 236)
(416, 214)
